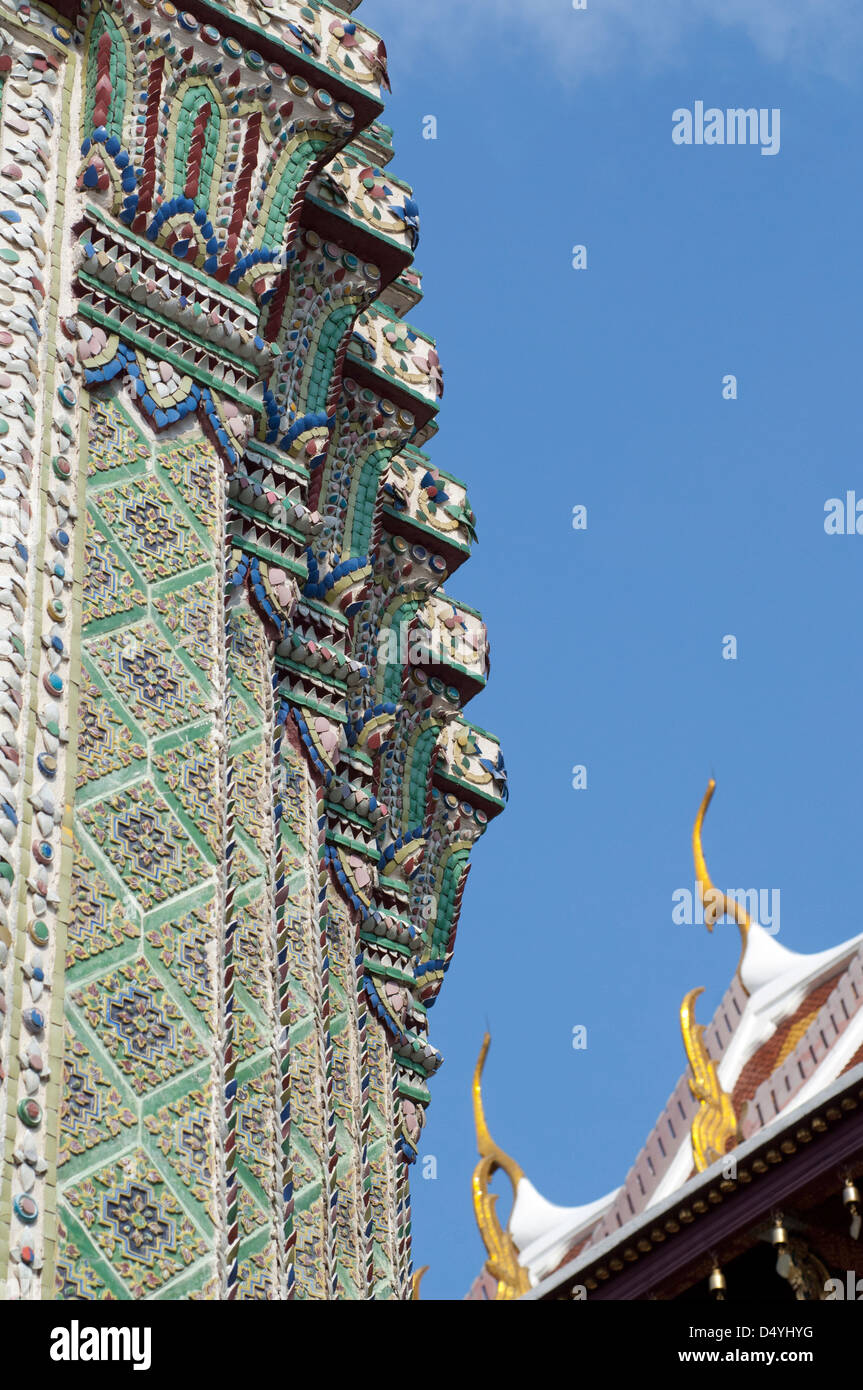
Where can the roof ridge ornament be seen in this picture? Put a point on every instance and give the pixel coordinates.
(715, 903)
(715, 1121)
(502, 1262)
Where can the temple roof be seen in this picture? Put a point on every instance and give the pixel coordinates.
(808, 1149)
(789, 1025)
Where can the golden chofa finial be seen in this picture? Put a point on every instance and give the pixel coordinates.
(416, 1281)
(502, 1262)
(715, 1123)
(716, 904)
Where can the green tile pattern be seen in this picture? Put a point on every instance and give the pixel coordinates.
(137, 1154)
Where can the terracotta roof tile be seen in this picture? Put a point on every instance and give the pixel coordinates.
(773, 1053)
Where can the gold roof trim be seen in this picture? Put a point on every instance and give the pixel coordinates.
(715, 1123)
(502, 1262)
(716, 904)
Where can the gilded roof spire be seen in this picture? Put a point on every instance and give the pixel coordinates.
(716, 904)
(502, 1262)
(714, 1128)
(715, 1123)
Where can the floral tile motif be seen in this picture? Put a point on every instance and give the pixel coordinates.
(294, 792)
(240, 717)
(183, 1133)
(252, 1214)
(290, 863)
(190, 615)
(108, 587)
(243, 870)
(255, 1277)
(248, 1040)
(311, 1263)
(91, 1108)
(192, 774)
(252, 797)
(75, 1279)
(98, 921)
(196, 472)
(304, 1173)
(305, 1090)
(250, 950)
(145, 842)
(138, 1022)
(255, 1126)
(150, 528)
(187, 949)
(148, 679)
(244, 636)
(137, 1222)
(105, 744)
(113, 439)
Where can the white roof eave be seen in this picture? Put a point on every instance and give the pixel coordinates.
(543, 1232)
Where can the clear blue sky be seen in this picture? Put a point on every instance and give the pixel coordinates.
(706, 517)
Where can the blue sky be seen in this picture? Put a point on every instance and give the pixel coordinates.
(705, 518)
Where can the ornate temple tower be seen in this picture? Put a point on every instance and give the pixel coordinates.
(238, 792)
